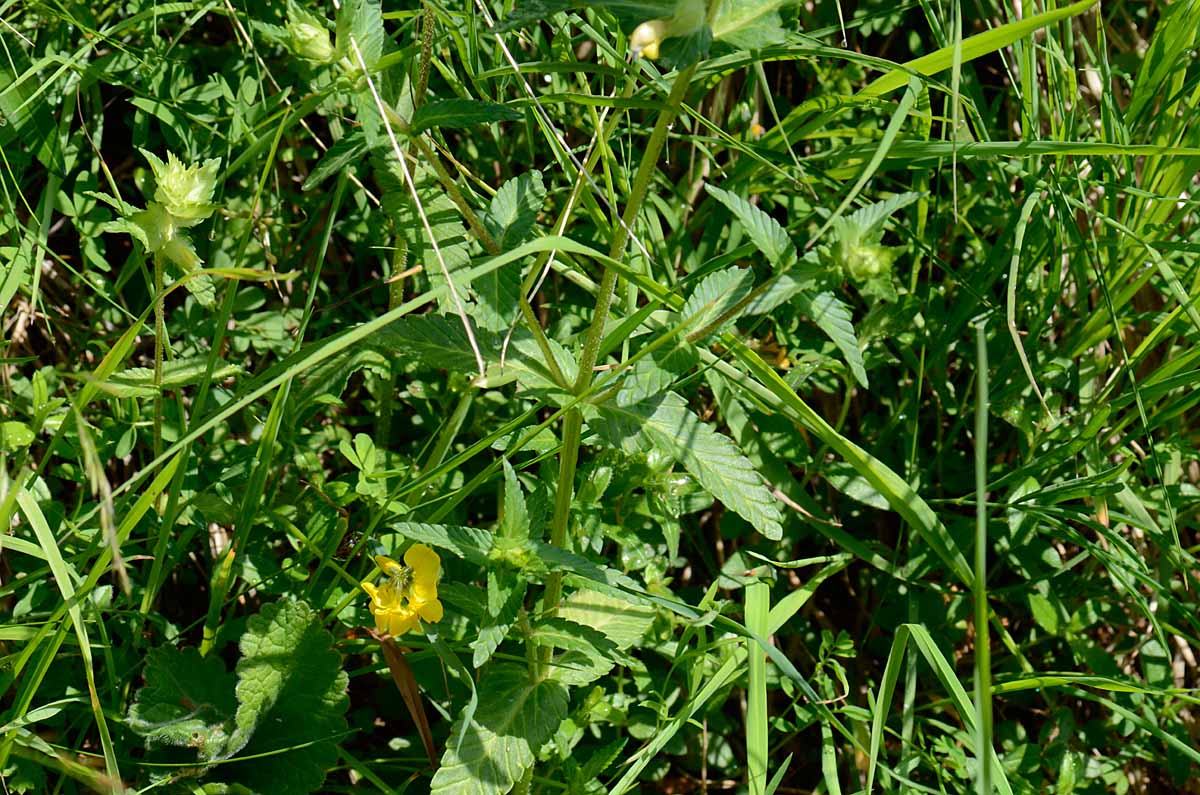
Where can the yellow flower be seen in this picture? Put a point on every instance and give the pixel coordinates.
(410, 593)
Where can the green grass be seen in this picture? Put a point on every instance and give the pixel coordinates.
(810, 408)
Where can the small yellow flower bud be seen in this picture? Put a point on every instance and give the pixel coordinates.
(646, 38)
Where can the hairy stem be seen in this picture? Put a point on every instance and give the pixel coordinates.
(573, 422)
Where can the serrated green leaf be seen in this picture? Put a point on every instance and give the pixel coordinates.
(469, 543)
(506, 594)
(139, 381)
(346, 150)
(187, 701)
(489, 751)
(764, 231)
(514, 209)
(644, 381)
(664, 422)
(459, 112)
(716, 295)
(452, 248)
(801, 277)
(291, 695)
(514, 524)
(438, 341)
(596, 649)
(622, 621)
(328, 379)
(525, 362)
(833, 317)
(563, 633)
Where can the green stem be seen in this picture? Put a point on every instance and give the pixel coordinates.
(573, 422)
(445, 438)
(641, 183)
(160, 331)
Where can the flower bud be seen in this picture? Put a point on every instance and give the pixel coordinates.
(309, 41)
(184, 191)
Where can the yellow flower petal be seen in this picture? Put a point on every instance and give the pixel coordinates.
(389, 567)
(424, 561)
(396, 623)
(431, 611)
(422, 592)
(371, 590)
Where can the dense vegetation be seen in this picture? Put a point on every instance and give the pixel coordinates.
(727, 396)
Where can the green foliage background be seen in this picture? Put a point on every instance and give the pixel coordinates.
(808, 409)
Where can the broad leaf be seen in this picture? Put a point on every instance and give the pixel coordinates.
(622, 621)
(291, 698)
(489, 751)
(514, 209)
(187, 701)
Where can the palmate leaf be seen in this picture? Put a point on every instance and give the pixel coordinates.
(664, 422)
(489, 751)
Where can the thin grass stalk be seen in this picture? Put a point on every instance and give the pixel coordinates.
(983, 656)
